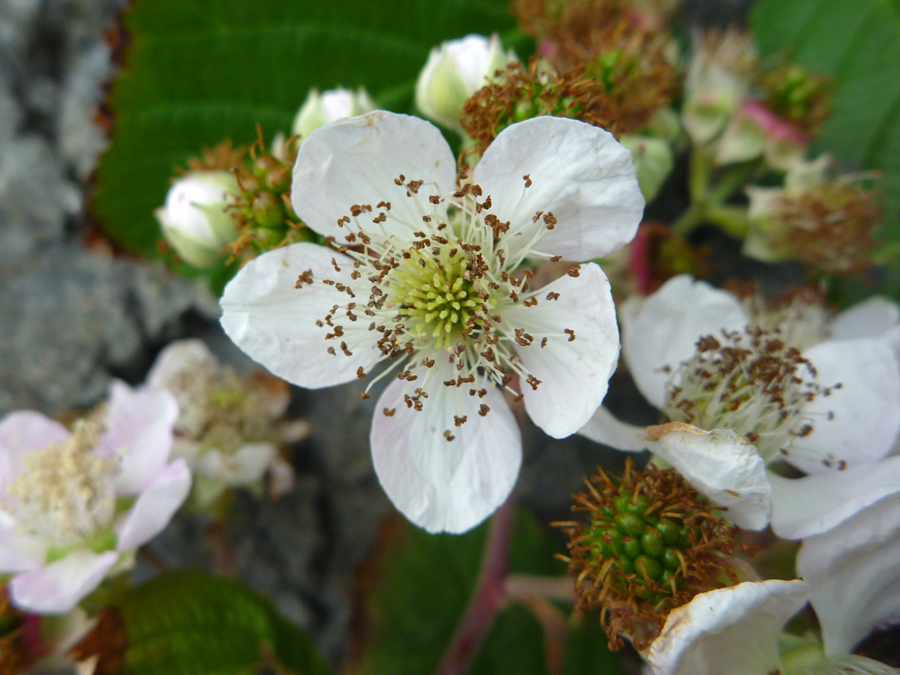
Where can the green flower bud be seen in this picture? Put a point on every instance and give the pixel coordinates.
(321, 109)
(653, 161)
(454, 71)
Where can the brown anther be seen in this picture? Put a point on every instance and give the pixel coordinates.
(304, 278)
(389, 412)
(360, 373)
(459, 421)
(484, 410)
(527, 179)
(570, 333)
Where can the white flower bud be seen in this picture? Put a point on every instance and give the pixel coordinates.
(455, 71)
(194, 219)
(321, 109)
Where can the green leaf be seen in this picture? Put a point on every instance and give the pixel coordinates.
(420, 584)
(189, 623)
(858, 44)
(199, 71)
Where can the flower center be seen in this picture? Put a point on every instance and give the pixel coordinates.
(66, 493)
(750, 382)
(436, 294)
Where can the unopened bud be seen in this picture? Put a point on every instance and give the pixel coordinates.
(323, 108)
(716, 84)
(195, 219)
(455, 71)
(756, 131)
(653, 162)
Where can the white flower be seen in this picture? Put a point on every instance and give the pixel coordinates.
(455, 71)
(194, 219)
(854, 577)
(424, 283)
(228, 428)
(75, 505)
(729, 631)
(738, 631)
(331, 105)
(825, 398)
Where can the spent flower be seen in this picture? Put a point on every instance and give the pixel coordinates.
(75, 504)
(423, 282)
(652, 543)
(825, 221)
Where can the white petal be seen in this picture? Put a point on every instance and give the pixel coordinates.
(155, 506)
(720, 464)
(872, 318)
(59, 586)
(139, 433)
(275, 323)
(858, 423)
(178, 358)
(356, 160)
(443, 485)
(665, 329)
(603, 427)
(579, 172)
(853, 575)
(803, 507)
(244, 467)
(574, 374)
(19, 551)
(20, 433)
(731, 631)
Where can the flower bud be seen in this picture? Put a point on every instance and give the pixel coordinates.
(455, 71)
(194, 218)
(653, 162)
(756, 131)
(717, 82)
(321, 109)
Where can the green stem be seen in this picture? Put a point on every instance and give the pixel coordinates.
(489, 596)
(732, 220)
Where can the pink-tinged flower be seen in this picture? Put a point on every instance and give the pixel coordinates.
(75, 505)
(229, 427)
(424, 285)
(748, 390)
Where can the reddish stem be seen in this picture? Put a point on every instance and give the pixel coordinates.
(489, 596)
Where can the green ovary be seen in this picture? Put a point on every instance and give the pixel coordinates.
(435, 295)
(643, 546)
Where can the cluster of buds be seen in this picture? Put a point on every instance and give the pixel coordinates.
(234, 202)
(742, 112)
(651, 544)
